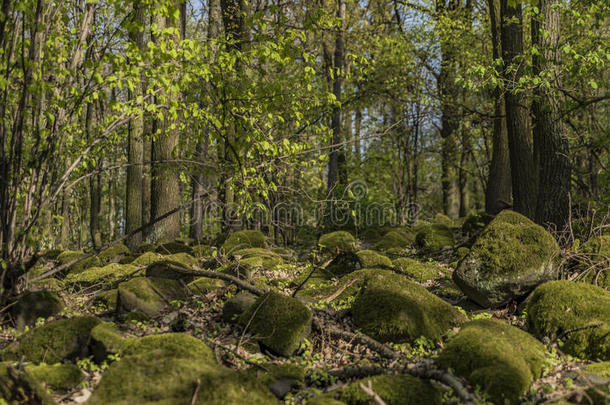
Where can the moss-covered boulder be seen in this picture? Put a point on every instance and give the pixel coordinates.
(109, 275)
(69, 255)
(597, 377)
(395, 240)
(348, 262)
(107, 339)
(145, 259)
(257, 258)
(64, 339)
(475, 223)
(392, 308)
(243, 240)
(150, 296)
(393, 390)
(169, 369)
(235, 306)
(13, 391)
(108, 298)
(337, 242)
(501, 359)
(203, 251)
(420, 271)
(433, 238)
(278, 322)
(174, 247)
(204, 285)
(560, 309)
(165, 267)
(371, 259)
(57, 377)
(443, 219)
(594, 260)
(508, 260)
(113, 253)
(32, 305)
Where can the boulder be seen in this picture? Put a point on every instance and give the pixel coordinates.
(337, 242)
(204, 285)
(393, 390)
(163, 268)
(420, 271)
(32, 305)
(148, 295)
(561, 309)
(145, 259)
(392, 308)
(395, 241)
(237, 305)
(69, 255)
(106, 339)
(433, 238)
(113, 253)
(242, 240)
(499, 358)
(109, 275)
(58, 377)
(348, 262)
(508, 260)
(257, 258)
(24, 390)
(278, 322)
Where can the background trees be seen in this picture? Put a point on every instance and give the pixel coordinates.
(115, 113)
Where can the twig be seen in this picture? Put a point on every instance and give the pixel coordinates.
(570, 331)
(368, 390)
(196, 393)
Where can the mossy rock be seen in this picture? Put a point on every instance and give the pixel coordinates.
(370, 259)
(596, 376)
(107, 339)
(168, 369)
(69, 255)
(420, 271)
(110, 275)
(476, 223)
(508, 260)
(443, 219)
(559, 307)
(49, 284)
(113, 253)
(58, 377)
(235, 306)
(64, 339)
(278, 322)
(32, 305)
(325, 399)
(395, 239)
(148, 295)
(348, 262)
(257, 258)
(146, 258)
(433, 238)
(337, 242)
(146, 247)
(393, 390)
(171, 248)
(109, 298)
(204, 285)
(203, 251)
(279, 378)
(392, 308)
(284, 253)
(243, 240)
(12, 393)
(501, 359)
(594, 260)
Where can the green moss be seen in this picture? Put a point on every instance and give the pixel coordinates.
(110, 254)
(257, 258)
(237, 305)
(279, 322)
(433, 238)
(69, 255)
(274, 372)
(203, 251)
(601, 369)
(171, 248)
(32, 305)
(145, 259)
(148, 295)
(475, 223)
(107, 275)
(420, 271)
(395, 240)
(13, 393)
(163, 268)
(443, 219)
(339, 241)
(204, 285)
(57, 341)
(58, 377)
(509, 259)
(109, 298)
(500, 358)
(243, 240)
(326, 399)
(392, 308)
(558, 307)
(107, 339)
(370, 258)
(178, 345)
(284, 253)
(394, 390)
(51, 284)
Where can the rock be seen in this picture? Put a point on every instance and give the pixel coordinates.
(32, 305)
(280, 378)
(420, 271)
(169, 369)
(162, 268)
(243, 240)
(348, 262)
(204, 285)
(109, 275)
(393, 390)
(237, 305)
(171, 248)
(148, 295)
(107, 339)
(113, 253)
(395, 241)
(501, 359)
(26, 390)
(257, 258)
(562, 307)
(278, 322)
(596, 376)
(64, 339)
(109, 299)
(391, 308)
(203, 251)
(337, 242)
(443, 219)
(594, 260)
(433, 238)
(69, 255)
(508, 260)
(474, 224)
(58, 377)
(372, 259)
(146, 258)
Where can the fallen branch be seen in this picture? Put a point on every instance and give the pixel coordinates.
(368, 390)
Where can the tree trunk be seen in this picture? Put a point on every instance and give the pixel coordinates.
(523, 168)
(499, 187)
(95, 189)
(551, 146)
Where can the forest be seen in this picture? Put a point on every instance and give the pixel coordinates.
(305, 202)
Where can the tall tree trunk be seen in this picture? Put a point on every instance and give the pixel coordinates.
(499, 187)
(165, 191)
(135, 148)
(464, 180)
(95, 189)
(552, 149)
(357, 134)
(523, 167)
